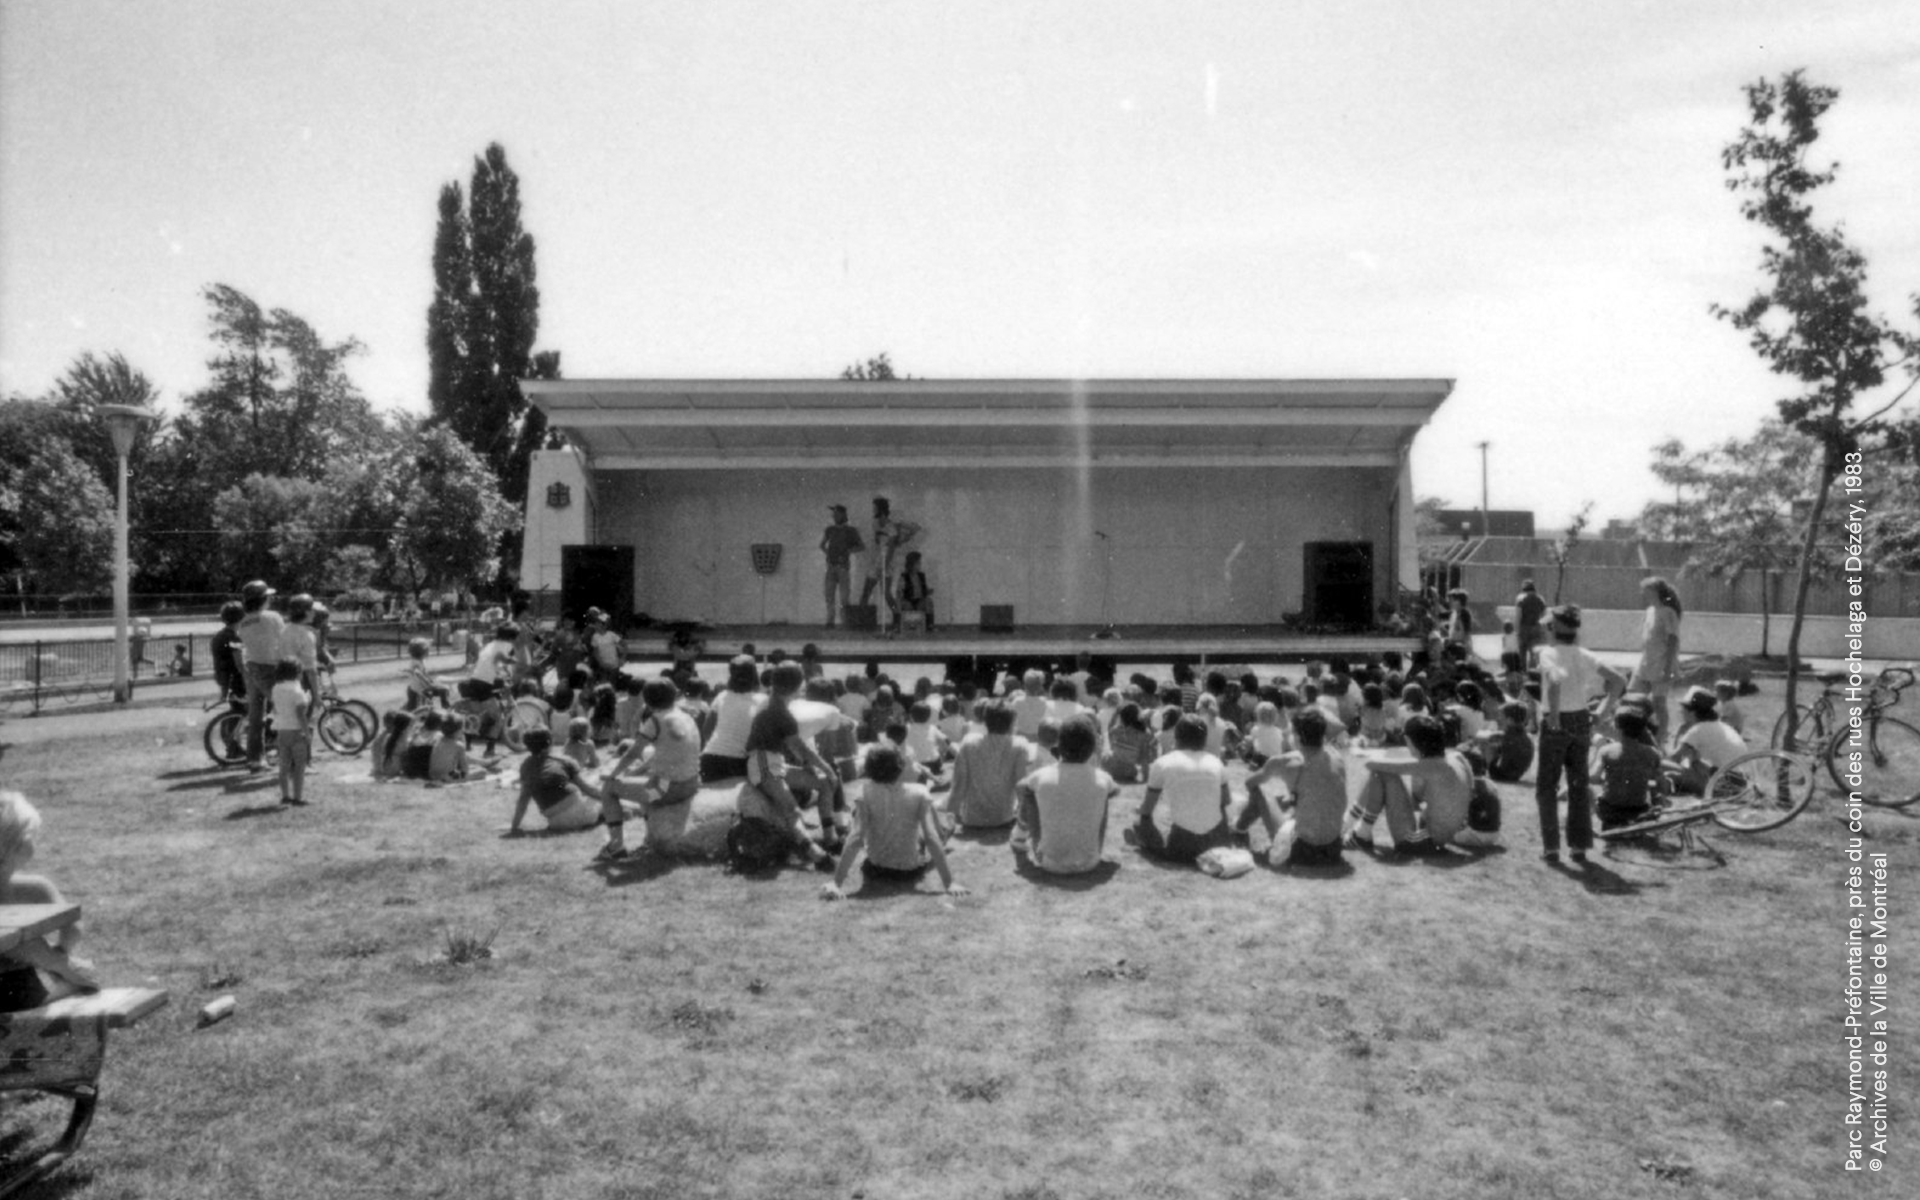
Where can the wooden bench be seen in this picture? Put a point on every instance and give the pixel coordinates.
(60, 1047)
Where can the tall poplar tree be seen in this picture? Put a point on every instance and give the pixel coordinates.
(484, 320)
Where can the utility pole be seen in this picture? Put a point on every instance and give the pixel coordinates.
(1484, 531)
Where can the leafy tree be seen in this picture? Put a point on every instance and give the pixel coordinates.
(483, 322)
(452, 515)
(1810, 323)
(57, 529)
(271, 527)
(280, 402)
(89, 382)
(877, 369)
(1560, 550)
(1740, 517)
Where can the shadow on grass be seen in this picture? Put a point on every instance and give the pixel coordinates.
(197, 772)
(255, 810)
(643, 868)
(998, 835)
(1104, 873)
(1597, 879)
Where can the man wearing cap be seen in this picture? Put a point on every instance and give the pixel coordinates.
(890, 536)
(839, 543)
(1569, 676)
(260, 632)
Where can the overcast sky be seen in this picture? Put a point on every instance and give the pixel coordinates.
(1524, 197)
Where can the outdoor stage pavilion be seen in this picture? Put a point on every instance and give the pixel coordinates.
(1244, 520)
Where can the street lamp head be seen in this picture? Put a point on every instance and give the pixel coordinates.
(123, 422)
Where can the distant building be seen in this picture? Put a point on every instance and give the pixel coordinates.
(1501, 522)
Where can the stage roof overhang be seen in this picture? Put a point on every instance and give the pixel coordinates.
(663, 424)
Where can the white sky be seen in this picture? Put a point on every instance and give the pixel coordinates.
(1525, 197)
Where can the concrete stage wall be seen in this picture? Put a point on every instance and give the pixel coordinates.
(1186, 547)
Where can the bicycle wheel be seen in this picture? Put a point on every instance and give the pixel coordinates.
(526, 714)
(1890, 766)
(342, 731)
(226, 739)
(366, 713)
(1761, 790)
(1809, 728)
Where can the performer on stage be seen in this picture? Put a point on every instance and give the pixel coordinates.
(890, 536)
(840, 543)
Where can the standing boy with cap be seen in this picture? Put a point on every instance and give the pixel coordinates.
(1569, 676)
(260, 631)
(839, 543)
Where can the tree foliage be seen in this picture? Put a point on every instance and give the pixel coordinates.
(878, 369)
(451, 514)
(1810, 322)
(483, 322)
(280, 402)
(56, 517)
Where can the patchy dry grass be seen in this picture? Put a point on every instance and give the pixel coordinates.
(1659, 1026)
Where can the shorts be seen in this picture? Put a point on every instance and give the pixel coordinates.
(575, 812)
(1306, 854)
(717, 767)
(294, 747)
(879, 874)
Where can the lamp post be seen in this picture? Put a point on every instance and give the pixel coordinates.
(1484, 531)
(123, 422)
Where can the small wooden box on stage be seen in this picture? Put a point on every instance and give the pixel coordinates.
(860, 616)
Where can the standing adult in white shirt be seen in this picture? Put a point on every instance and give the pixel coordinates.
(1569, 677)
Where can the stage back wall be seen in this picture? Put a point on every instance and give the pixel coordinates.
(1076, 502)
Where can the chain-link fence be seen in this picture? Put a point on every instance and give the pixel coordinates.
(37, 675)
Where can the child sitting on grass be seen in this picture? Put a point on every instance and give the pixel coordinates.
(1509, 750)
(667, 744)
(1305, 828)
(924, 744)
(1063, 806)
(895, 829)
(1194, 784)
(1427, 800)
(552, 782)
(37, 969)
(580, 746)
(448, 763)
(1631, 780)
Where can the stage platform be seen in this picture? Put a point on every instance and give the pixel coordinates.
(1197, 644)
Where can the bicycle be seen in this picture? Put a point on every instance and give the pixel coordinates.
(1887, 748)
(525, 712)
(338, 726)
(1760, 790)
(330, 698)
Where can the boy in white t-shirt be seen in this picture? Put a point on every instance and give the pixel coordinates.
(1194, 785)
(1706, 743)
(1063, 806)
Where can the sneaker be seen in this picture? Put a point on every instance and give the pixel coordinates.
(1551, 857)
(293, 802)
(1579, 856)
(610, 853)
(1353, 841)
(825, 864)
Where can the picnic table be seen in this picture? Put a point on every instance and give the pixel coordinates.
(60, 1046)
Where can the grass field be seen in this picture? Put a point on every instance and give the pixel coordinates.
(1658, 1025)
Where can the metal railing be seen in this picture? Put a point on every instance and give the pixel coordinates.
(39, 674)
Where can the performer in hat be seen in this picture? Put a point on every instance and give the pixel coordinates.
(840, 543)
